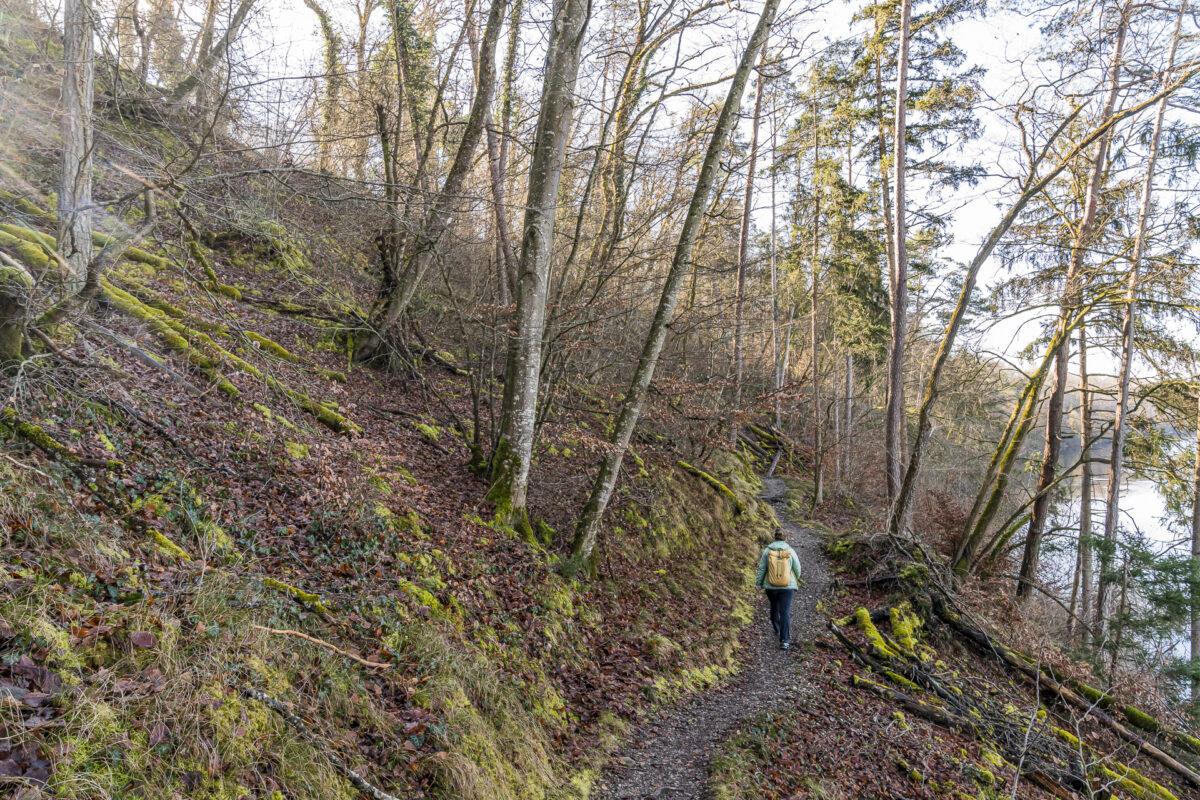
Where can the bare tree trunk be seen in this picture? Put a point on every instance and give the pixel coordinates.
(588, 528)
(776, 361)
(1195, 589)
(438, 216)
(1116, 459)
(815, 267)
(205, 65)
(1084, 568)
(739, 314)
(333, 84)
(362, 142)
(885, 191)
(1070, 299)
(895, 428)
(514, 449)
(505, 258)
(75, 181)
(15, 286)
(507, 116)
(848, 425)
(1122, 614)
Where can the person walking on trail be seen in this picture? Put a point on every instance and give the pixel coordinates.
(779, 575)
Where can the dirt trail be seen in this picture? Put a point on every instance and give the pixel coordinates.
(668, 757)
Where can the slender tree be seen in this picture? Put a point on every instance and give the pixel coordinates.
(739, 314)
(588, 528)
(895, 428)
(75, 179)
(1195, 588)
(1116, 460)
(514, 450)
(334, 79)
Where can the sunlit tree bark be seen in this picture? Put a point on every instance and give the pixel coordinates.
(75, 179)
(514, 450)
(588, 528)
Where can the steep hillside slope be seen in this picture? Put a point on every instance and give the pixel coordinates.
(212, 519)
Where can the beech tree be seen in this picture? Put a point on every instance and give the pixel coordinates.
(510, 460)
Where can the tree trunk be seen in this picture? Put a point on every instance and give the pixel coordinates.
(514, 449)
(333, 84)
(505, 259)
(1070, 299)
(1085, 486)
(1116, 460)
(437, 218)
(588, 528)
(739, 314)
(205, 65)
(895, 428)
(814, 267)
(507, 115)
(1195, 589)
(776, 358)
(995, 481)
(848, 425)
(75, 180)
(15, 286)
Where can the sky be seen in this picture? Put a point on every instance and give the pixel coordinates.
(1000, 43)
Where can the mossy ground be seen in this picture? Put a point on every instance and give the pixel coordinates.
(247, 478)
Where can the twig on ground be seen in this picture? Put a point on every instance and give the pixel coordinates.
(323, 643)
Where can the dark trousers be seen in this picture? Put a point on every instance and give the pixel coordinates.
(781, 612)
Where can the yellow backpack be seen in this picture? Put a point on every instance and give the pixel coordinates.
(779, 567)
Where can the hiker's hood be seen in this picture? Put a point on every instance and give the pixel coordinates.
(779, 546)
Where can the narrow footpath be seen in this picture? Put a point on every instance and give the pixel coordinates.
(668, 757)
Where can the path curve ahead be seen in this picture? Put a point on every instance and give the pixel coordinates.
(668, 757)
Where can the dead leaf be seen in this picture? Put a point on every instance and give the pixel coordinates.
(143, 639)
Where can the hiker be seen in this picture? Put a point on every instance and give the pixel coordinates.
(780, 569)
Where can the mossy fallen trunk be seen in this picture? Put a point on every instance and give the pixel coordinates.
(738, 505)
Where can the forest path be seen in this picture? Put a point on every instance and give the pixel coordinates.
(668, 756)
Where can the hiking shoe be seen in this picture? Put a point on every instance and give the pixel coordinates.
(785, 645)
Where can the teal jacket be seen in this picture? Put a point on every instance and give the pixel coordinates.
(761, 580)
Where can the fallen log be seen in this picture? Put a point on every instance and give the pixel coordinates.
(1040, 678)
